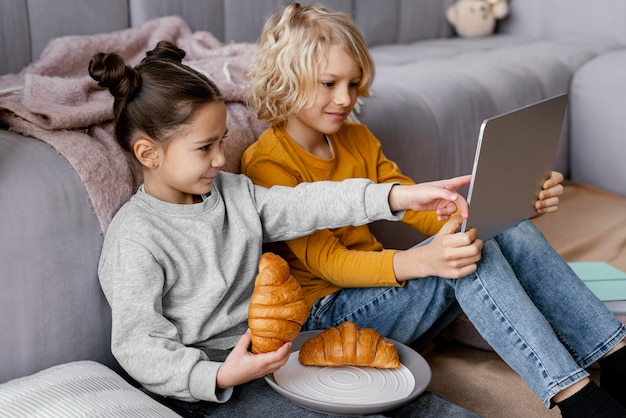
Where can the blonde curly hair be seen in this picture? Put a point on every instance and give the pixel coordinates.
(283, 76)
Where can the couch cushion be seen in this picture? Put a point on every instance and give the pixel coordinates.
(52, 309)
(242, 20)
(401, 21)
(82, 388)
(14, 36)
(598, 123)
(567, 19)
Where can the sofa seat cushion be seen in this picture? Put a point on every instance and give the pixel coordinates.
(81, 388)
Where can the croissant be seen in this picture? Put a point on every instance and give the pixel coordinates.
(277, 308)
(348, 345)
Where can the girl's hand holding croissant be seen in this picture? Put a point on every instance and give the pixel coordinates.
(242, 366)
(276, 313)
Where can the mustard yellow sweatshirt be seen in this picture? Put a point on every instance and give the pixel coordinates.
(328, 260)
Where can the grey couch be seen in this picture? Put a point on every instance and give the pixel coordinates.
(431, 92)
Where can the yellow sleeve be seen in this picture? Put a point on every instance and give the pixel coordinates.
(322, 253)
(388, 171)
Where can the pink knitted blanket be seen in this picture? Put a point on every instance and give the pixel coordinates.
(54, 99)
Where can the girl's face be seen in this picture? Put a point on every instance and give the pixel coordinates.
(335, 97)
(188, 164)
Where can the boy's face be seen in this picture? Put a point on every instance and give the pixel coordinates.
(189, 163)
(335, 97)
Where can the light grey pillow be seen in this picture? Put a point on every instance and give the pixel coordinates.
(81, 388)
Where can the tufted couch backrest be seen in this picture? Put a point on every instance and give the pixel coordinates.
(546, 19)
(26, 26)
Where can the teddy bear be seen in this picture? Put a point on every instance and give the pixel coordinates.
(476, 18)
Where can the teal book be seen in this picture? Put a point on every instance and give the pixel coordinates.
(606, 281)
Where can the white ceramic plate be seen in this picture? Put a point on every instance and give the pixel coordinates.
(351, 390)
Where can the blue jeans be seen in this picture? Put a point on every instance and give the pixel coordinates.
(524, 300)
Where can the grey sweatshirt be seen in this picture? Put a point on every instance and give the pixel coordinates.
(179, 277)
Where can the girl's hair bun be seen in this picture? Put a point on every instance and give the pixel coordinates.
(165, 50)
(110, 71)
(155, 97)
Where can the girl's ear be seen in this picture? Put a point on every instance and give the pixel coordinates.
(146, 152)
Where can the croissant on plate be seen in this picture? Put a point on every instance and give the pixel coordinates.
(277, 309)
(349, 345)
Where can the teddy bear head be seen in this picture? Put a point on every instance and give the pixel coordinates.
(476, 18)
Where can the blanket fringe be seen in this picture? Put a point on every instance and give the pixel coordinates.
(11, 90)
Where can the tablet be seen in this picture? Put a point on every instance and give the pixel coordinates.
(514, 156)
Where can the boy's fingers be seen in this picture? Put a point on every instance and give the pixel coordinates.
(452, 225)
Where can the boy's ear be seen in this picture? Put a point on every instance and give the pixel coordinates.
(146, 152)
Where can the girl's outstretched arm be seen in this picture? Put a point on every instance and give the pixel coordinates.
(439, 196)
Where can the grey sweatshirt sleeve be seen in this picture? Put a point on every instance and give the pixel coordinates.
(146, 344)
(288, 213)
